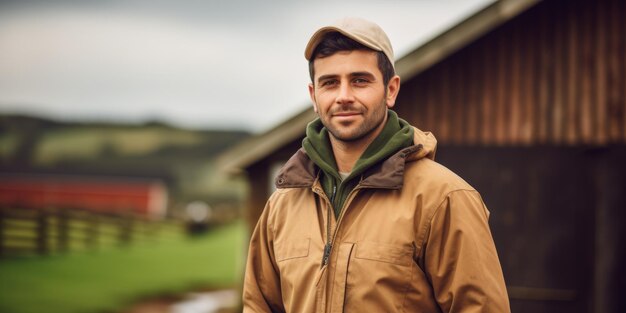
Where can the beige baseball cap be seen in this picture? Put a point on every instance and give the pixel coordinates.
(363, 31)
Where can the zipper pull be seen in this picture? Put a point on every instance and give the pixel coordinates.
(327, 249)
(332, 197)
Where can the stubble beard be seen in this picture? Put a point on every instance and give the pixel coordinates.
(368, 126)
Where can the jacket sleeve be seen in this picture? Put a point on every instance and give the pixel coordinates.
(460, 257)
(261, 290)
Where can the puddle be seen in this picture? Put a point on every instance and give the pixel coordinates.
(207, 302)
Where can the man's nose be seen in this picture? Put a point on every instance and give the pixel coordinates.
(345, 94)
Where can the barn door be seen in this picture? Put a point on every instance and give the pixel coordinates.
(556, 215)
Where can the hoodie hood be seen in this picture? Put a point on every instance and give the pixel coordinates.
(428, 142)
(395, 135)
(300, 171)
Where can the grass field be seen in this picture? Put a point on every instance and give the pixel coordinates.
(110, 279)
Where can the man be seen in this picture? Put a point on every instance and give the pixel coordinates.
(363, 219)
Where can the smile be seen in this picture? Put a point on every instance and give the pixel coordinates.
(345, 114)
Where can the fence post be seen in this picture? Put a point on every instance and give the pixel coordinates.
(126, 229)
(153, 230)
(91, 238)
(1, 232)
(62, 230)
(42, 232)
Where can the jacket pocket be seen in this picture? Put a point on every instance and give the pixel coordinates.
(394, 254)
(292, 249)
(378, 277)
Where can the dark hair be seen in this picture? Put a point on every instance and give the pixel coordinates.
(334, 42)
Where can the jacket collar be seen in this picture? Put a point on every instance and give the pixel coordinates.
(301, 172)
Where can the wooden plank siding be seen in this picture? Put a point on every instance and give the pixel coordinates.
(554, 75)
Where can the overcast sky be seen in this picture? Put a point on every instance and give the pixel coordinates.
(197, 64)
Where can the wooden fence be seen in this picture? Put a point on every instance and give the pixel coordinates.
(25, 231)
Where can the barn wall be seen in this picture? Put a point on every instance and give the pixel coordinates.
(261, 181)
(556, 74)
(557, 216)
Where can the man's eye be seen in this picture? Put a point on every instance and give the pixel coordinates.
(360, 81)
(328, 83)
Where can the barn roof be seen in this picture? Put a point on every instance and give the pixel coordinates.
(425, 56)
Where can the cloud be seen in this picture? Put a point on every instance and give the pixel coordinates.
(192, 63)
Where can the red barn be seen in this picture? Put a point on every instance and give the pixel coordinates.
(146, 197)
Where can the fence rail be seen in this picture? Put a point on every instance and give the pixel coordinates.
(27, 231)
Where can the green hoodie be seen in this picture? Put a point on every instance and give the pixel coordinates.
(396, 134)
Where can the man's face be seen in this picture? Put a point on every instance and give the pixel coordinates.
(349, 95)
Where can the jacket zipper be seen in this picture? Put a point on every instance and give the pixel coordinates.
(328, 246)
(330, 240)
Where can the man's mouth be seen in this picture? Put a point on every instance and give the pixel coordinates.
(340, 114)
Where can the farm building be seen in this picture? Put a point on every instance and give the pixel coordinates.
(527, 100)
(145, 197)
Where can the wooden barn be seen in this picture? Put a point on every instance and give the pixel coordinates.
(141, 197)
(527, 99)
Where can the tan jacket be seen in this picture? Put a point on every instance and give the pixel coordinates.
(412, 237)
